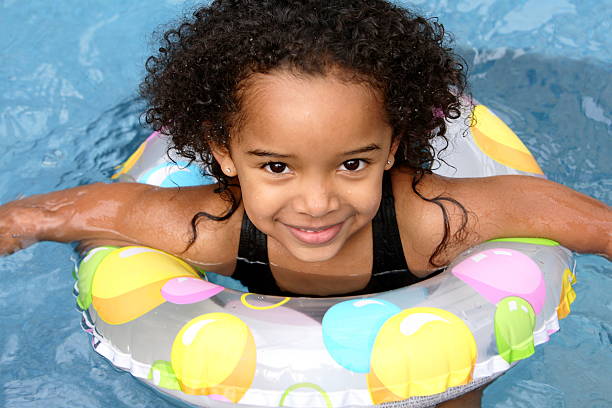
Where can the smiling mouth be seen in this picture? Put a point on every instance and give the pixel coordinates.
(315, 236)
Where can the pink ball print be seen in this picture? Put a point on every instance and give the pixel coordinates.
(185, 290)
(500, 272)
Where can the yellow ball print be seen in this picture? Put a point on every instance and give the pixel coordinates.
(568, 295)
(214, 354)
(127, 283)
(420, 351)
(130, 162)
(498, 141)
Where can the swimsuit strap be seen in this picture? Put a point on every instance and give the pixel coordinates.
(387, 243)
(252, 265)
(389, 268)
(253, 243)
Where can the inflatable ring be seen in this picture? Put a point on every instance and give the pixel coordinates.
(155, 316)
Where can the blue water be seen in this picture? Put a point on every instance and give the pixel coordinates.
(68, 113)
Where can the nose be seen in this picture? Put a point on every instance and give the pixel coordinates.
(316, 197)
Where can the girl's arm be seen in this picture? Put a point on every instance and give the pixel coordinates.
(121, 213)
(523, 206)
(502, 207)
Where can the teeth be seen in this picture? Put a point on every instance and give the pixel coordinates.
(313, 230)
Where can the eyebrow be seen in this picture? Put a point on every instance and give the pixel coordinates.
(365, 149)
(265, 153)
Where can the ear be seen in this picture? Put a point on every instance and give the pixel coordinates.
(224, 158)
(391, 157)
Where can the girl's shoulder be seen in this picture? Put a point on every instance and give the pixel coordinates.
(420, 222)
(215, 241)
(436, 207)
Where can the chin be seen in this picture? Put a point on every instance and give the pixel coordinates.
(315, 254)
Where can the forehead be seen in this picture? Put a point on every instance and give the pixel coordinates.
(286, 106)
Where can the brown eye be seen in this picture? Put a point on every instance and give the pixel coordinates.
(276, 167)
(353, 164)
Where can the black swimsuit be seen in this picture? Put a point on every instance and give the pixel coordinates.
(389, 268)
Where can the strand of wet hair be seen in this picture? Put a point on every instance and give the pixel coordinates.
(438, 201)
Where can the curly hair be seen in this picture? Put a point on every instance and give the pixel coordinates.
(193, 84)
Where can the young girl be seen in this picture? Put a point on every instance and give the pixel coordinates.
(317, 119)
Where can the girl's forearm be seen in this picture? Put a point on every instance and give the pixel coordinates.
(76, 214)
(547, 209)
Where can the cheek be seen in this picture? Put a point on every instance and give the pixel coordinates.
(364, 200)
(261, 203)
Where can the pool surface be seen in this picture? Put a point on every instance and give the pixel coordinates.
(69, 113)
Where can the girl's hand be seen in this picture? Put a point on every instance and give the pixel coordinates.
(20, 225)
(48, 217)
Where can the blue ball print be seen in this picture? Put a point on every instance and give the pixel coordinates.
(177, 174)
(350, 328)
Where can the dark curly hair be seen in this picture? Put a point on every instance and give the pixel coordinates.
(194, 82)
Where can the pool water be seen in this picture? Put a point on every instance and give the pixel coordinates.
(68, 114)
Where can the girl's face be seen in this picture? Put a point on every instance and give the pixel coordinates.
(309, 154)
